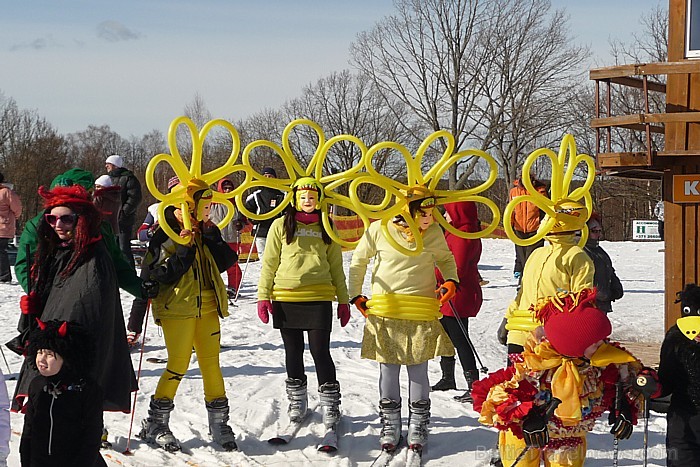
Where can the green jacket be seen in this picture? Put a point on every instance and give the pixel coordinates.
(126, 275)
(307, 261)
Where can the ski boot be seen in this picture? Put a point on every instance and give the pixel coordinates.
(390, 416)
(470, 376)
(155, 429)
(219, 430)
(231, 292)
(132, 339)
(329, 394)
(419, 417)
(104, 442)
(298, 399)
(447, 382)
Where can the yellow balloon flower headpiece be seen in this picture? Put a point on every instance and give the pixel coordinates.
(566, 210)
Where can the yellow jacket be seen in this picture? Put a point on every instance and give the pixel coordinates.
(559, 266)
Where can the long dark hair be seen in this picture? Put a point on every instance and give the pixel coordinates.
(290, 225)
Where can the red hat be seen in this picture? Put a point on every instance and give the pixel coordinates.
(572, 322)
(63, 195)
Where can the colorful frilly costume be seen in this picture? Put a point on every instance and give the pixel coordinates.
(585, 385)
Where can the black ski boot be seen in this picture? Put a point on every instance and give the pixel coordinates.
(447, 364)
(390, 415)
(219, 430)
(298, 399)
(329, 394)
(155, 429)
(470, 376)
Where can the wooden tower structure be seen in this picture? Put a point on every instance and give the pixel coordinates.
(676, 161)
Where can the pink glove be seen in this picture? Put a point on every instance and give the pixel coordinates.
(264, 310)
(343, 313)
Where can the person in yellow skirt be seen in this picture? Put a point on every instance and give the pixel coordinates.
(188, 299)
(570, 362)
(402, 326)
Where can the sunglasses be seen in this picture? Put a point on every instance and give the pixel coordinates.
(596, 231)
(66, 219)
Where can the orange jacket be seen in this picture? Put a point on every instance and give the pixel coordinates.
(526, 216)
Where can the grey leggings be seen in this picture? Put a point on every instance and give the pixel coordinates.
(418, 385)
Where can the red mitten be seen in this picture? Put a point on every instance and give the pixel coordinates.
(343, 314)
(29, 304)
(264, 310)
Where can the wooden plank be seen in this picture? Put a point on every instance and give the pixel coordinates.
(690, 259)
(609, 160)
(673, 255)
(631, 122)
(647, 352)
(673, 116)
(639, 83)
(679, 153)
(641, 69)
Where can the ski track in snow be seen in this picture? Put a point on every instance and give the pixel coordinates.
(253, 369)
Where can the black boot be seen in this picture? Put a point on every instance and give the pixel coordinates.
(447, 364)
(470, 376)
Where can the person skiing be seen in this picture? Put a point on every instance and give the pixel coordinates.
(302, 273)
(402, 326)
(467, 300)
(63, 419)
(188, 299)
(568, 360)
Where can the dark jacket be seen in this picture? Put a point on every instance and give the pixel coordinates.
(467, 252)
(126, 275)
(90, 296)
(63, 427)
(263, 201)
(131, 195)
(679, 372)
(605, 280)
(108, 201)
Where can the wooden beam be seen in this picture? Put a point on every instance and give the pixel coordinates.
(641, 69)
(609, 160)
(679, 153)
(632, 122)
(638, 83)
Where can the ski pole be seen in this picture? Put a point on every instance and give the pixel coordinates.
(245, 269)
(127, 452)
(646, 428)
(618, 403)
(483, 368)
(551, 407)
(5, 358)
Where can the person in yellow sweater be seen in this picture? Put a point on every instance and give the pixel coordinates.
(558, 267)
(402, 326)
(301, 275)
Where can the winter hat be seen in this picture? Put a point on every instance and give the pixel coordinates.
(306, 184)
(69, 339)
(115, 160)
(74, 177)
(269, 171)
(570, 215)
(173, 181)
(572, 322)
(689, 322)
(65, 195)
(418, 197)
(104, 181)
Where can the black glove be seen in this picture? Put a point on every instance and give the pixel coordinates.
(502, 332)
(621, 419)
(535, 430)
(647, 383)
(150, 288)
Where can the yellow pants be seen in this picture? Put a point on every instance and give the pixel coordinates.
(180, 336)
(510, 447)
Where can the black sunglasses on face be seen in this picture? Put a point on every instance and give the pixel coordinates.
(66, 219)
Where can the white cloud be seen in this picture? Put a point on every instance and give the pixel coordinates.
(114, 31)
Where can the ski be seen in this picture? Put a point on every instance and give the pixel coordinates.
(386, 455)
(329, 443)
(156, 360)
(290, 431)
(414, 458)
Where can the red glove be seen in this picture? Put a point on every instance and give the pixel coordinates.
(29, 304)
(446, 291)
(343, 314)
(360, 303)
(647, 383)
(264, 310)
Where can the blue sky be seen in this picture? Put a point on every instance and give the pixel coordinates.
(135, 64)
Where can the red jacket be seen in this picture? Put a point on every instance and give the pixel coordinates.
(467, 253)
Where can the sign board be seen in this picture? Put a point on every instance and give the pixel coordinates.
(645, 230)
(686, 188)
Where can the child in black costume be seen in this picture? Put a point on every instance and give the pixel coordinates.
(679, 375)
(63, 419)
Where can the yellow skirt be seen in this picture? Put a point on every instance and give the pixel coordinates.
(404, 342)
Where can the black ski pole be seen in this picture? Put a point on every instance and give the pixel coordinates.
(618, 404)
(551, 407)
(483, 368)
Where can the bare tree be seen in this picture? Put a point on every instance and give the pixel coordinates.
(427, 57)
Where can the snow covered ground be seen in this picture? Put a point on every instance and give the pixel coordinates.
(253, 366)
